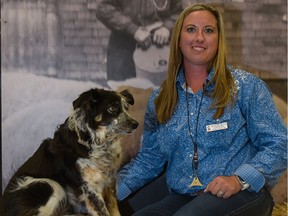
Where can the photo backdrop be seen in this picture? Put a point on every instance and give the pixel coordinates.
(52, 50)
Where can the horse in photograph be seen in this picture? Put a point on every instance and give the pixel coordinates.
(77, 168)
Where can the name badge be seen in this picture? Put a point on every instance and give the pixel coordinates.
(216, 127)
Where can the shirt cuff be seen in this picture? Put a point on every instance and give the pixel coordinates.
(123, 191)
(252, 176)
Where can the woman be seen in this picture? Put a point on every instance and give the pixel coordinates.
(215, 129)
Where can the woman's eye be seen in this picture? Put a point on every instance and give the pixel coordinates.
(208, 30)
(191, 29)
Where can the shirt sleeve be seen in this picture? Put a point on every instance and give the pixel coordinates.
(111, 15)
(268, 135)
(149, 162)
(252, 176)
(170, 17)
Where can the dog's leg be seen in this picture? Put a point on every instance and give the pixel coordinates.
(94, 202)
(113, 206)
(96, 205)
(111, 201)
(57, 203)
(38, 196)
(75, 215)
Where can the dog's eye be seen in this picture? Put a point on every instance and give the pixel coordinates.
(112, 109)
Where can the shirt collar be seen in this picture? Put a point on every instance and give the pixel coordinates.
(180, 81)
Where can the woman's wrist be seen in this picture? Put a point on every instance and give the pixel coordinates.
(243, 185)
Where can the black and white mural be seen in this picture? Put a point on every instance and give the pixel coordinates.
(53, 50)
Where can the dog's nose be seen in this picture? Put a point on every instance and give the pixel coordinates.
(134, 124)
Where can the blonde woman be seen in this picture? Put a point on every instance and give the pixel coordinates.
(214, 128)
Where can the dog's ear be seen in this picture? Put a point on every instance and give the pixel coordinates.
(85, 96)
(127, 96)
(78, 102)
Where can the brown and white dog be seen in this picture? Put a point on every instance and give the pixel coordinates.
(77, 168)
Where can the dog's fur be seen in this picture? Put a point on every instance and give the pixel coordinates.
(77, 168)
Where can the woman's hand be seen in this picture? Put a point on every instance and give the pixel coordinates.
(223, 186)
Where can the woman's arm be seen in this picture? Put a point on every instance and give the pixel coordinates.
(110, 14)
(268, 135)
(149, 162)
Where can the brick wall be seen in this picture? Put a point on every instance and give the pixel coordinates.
(84, 41)
(256, 34)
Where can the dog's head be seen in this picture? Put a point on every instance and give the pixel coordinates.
(101, 115)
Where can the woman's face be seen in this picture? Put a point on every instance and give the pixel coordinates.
(199, 38)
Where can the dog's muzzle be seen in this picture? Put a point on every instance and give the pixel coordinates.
(134, 124)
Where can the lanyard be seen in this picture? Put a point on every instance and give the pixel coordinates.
(196, 181)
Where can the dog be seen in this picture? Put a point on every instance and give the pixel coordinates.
(76, 169)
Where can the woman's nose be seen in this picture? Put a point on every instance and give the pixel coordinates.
(200, 36)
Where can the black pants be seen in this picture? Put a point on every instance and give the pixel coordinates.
(244, 203)
(120, 64)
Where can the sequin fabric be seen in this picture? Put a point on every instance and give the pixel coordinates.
(253, 146)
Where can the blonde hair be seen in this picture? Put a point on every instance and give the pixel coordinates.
(224, 84)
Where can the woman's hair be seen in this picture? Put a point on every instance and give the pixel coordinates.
(224, 84)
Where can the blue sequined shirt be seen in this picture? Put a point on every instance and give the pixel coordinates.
(249, 140)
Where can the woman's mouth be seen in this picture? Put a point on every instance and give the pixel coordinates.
(198, 48)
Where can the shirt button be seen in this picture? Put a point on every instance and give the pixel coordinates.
(191, 113)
